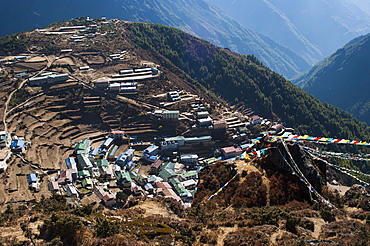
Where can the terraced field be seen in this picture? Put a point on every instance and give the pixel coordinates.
(53, 123)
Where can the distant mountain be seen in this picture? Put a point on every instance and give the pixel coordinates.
(243, 79)
(194, 16)
(342, 79)
(312, 28)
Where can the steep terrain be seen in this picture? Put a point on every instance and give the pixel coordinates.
(263, 202)
(314, 29)
(239, 78)
(196, 17)
(342, 79)
(236, 78)
(263, 205)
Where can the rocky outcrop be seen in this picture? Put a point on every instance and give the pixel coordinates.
(313, 169)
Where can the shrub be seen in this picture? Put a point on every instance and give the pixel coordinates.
(251, 192)
(66, 227)
(106, 228)
(327, 214)
(52, 204)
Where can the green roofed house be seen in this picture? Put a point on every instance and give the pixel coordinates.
(180, 189)
(102, 162)
(168, 165)
(84, 174)
(167, 171)
(124, 178)
(87, 183)
(103, 169)
(83, 162)
(141, 180)
(83, 147)
(190, 175)
(167, 174)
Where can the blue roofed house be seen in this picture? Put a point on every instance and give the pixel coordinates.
(71, 163)
(189, 159)
(34, 181)
(124, 158)
(107, 143)
(149, 187)
(152, 150)
(32, 177)
(18, 146)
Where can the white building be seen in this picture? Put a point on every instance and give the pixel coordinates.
(171, 115)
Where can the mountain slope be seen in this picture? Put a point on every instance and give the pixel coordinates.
(236, 78)
(244, 79)
(311, 28)
(194, 16)
(343, 79)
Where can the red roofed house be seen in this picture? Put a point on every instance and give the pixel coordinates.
(99, 191)
(221, 124)
(255, 120)
(154, 168)
(54, 187)
(229, 152)
(117, 134)
(109, 199)
(137, 190)
(163, 185)
(277, 128)
(66, 176)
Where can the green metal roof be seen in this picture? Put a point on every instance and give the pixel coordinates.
(102, 162)
(84, 173)
(189, 174)
(167, 173)
(83, 144)
(179, 188)
(87, 182)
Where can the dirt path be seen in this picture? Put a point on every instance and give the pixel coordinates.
(319, 222)
(223, 232)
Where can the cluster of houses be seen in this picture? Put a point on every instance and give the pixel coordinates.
(79, 33)
(99, 169)
(167, 168)
(174, 161)
(173, 169)
(126, 80)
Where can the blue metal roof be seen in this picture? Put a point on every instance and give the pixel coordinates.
(94, 152)
(18, 144)
(107, 142)
(32, 177)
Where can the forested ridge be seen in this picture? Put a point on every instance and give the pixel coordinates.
(342, 78)
(239, 78)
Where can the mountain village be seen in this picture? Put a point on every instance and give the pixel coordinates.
(122, 162)
(94, 122)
